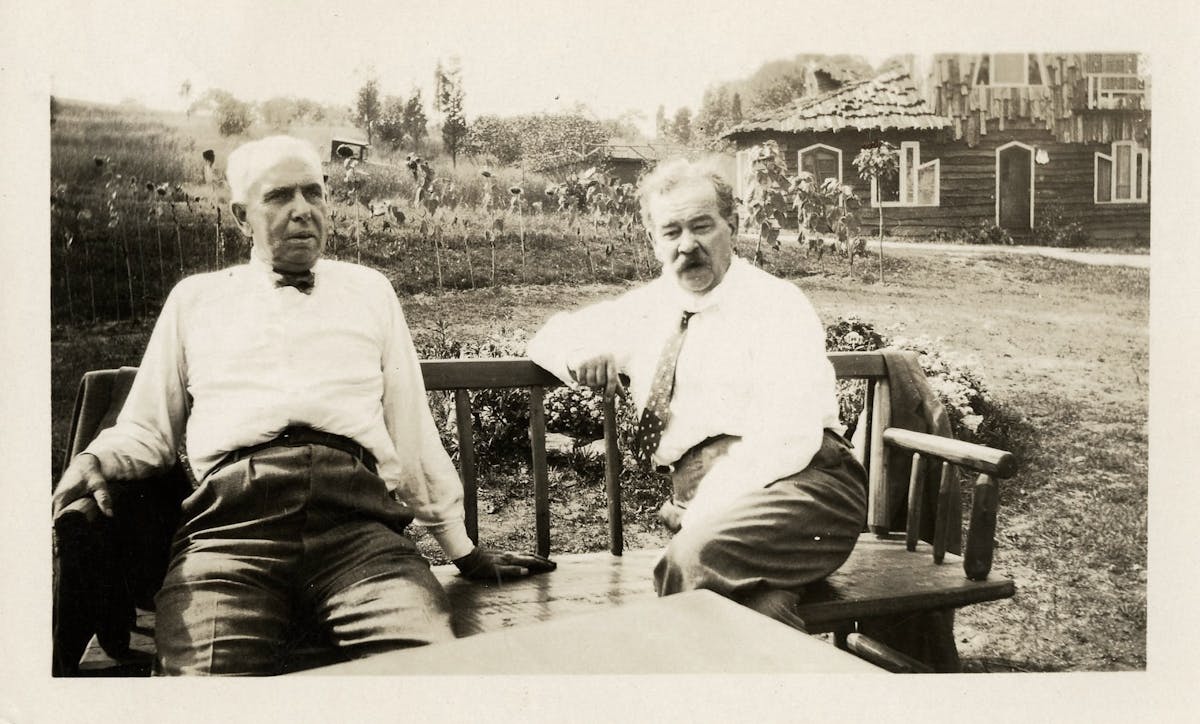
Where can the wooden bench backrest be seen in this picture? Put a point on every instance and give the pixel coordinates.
(462, 375)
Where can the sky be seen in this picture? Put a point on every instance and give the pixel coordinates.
(517, 57)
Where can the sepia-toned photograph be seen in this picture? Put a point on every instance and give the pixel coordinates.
(513, 340)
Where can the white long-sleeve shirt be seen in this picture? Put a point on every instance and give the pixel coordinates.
(753, 364)
(235, 360)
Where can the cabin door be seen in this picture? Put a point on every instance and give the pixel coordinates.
(1014, 188)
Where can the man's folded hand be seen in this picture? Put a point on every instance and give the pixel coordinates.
(671, 515)
(484, 564)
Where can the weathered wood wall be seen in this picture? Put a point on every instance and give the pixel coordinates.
(968, 182)
(1059, 105)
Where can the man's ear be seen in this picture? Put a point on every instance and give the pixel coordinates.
(239, 217)
(733, 222)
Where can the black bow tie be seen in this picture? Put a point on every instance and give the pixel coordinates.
(302, 281)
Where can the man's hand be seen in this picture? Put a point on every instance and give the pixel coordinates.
(597, 370)
(83, 477)
(485, 564)
(671, 516)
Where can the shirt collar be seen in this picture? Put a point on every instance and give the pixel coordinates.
(260, 267)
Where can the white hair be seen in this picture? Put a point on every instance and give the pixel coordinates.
(248, 161)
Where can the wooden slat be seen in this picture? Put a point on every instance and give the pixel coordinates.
(466, 455)
(977, 559)
(916, 494)
(452, 374)
(882, 578)
(858, 364)
(612, 477)
(979, 458)
(866, 419)
(945, 501)
(541, 481)
(877, 477)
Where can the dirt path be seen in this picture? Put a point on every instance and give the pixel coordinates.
(1140, 261)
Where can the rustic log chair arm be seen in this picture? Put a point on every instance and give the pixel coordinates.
(989, 463)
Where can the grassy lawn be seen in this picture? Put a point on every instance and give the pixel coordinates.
(1065, 345)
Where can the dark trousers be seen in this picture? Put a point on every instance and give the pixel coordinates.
(769, 543)
(292, 533)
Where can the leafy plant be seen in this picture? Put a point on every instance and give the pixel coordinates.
(876, 163)
(826, 208)
(1056, 227)
(987, 232)
(764, 210)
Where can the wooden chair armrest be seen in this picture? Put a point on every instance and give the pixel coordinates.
(980, 458)
(990, 464)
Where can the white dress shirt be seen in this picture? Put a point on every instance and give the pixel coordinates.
(235, 360)
(753, 364)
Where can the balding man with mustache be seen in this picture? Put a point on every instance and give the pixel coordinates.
(737, 401)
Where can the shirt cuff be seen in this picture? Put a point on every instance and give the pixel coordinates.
(454, 540)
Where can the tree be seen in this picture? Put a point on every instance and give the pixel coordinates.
(234, 117)
(231, 115)
(390, 127)
(368, 108)
(540, 141)
(779, 92)
(877, 162)
(278, 113)
(624, 126)
(448, 100)
(497, 137)
(714, 115)
(414, 119)
(185, 92)
(681, 125)
(660, 123)
(735, 108)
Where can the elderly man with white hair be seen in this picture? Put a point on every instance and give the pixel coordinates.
(294, 381)
(737, 398)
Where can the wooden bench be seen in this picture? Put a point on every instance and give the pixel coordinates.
(888, 577)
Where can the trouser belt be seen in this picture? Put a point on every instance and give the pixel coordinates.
(691, 467)
(296, 436)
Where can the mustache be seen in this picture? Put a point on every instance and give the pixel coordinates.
(690, 261)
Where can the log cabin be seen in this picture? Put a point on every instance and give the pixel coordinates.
(1006, 139)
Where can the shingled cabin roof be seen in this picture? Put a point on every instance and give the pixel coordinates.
(888, 101)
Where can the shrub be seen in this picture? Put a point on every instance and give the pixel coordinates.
(987, 233)
(955, 379)
(1056, 227)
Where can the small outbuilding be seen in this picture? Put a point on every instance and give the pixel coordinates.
(356, 149)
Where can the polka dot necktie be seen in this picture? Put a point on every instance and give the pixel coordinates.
(658, 407)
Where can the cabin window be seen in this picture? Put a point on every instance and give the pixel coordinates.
(917, 183)
(823, 162)
(1123, 175)
(1009, 69)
